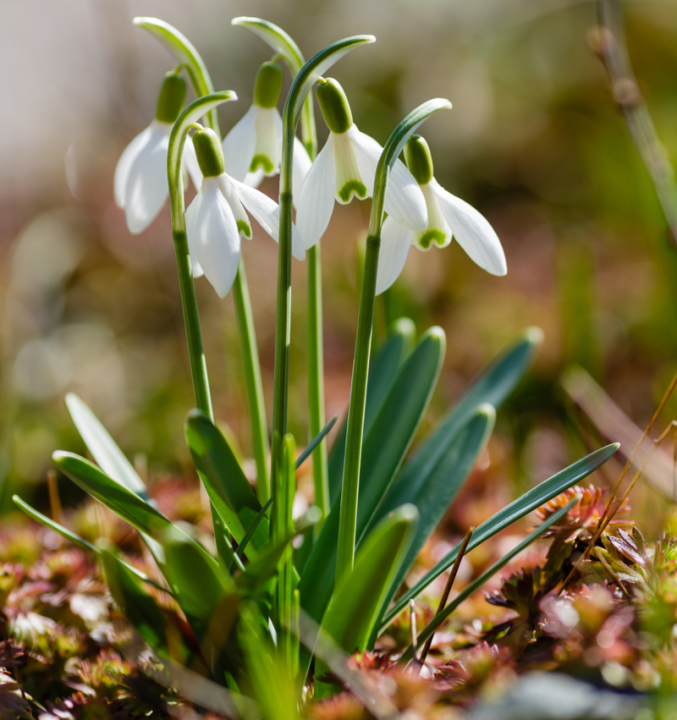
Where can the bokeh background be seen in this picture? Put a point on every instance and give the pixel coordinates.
(534, 141)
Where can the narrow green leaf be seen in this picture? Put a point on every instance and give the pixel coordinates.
(53, 525)
(437, 490)
(103, 448)
(227, 486)
(122, 501)
(307, 451)
(385, 446)
(531, 500)
(382, 375)
(76, 539)
(193, 576)
(431, 628)
(139, 607)
(492, 387)
(248, 536)
(277, 38)
(353, 610)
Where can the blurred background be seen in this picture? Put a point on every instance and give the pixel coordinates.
(534, 141)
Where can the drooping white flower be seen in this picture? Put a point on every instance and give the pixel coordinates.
(253, 148)
(345, 168)
(141, 186)
(217, 217)
(448, 216)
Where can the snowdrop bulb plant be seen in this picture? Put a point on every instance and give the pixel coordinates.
(140, 184)
(448, 216)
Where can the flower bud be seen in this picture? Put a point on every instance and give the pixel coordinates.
(334, 106)
(171, 97)
(268, 85)
(209, 152)
(419, 160)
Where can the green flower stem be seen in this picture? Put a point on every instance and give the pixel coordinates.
(177, 139)
(198, 362)
(316, 382)
(252, 376)
(316, 409)
(185, 51)
(293, 108)
(358, 398)
(365, 320)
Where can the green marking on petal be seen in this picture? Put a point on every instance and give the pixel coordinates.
(244, 228)
(262, 161)
(352, 187)
(426, 239)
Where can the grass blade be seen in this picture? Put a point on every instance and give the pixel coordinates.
(532, 499)
(440, 617)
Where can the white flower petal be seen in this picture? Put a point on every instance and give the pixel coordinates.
(472, 231)
(147, 188)
(191, 215)
(404, 199)
(227, 185)
(300, 166)
(268, 142)
(254, 179)
(125, 163)
(349, 182)
(217, 239)
(239, 145)
(267, 214)
(395, 243)
(316, 199)
(191, 164)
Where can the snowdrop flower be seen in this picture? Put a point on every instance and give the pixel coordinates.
(345, 168)
(253, 148)
(447, 216)
(217, 218)
(141, 186)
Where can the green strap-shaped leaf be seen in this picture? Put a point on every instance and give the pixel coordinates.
(122, 501)
(492, 387)
(76, 539)
(193, 576)
(354, 607)
(532, 499)
(382, 375)
(227, 486)
(385, 446)
(139, 608)
(109, 456)
(103, 448)
(476, 584)
(434, 495)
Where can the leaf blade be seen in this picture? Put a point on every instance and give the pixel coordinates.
(532, 499)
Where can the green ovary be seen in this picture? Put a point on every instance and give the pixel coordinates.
(262, 161)
(427, 238)
(244, 228)
(350, 189)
